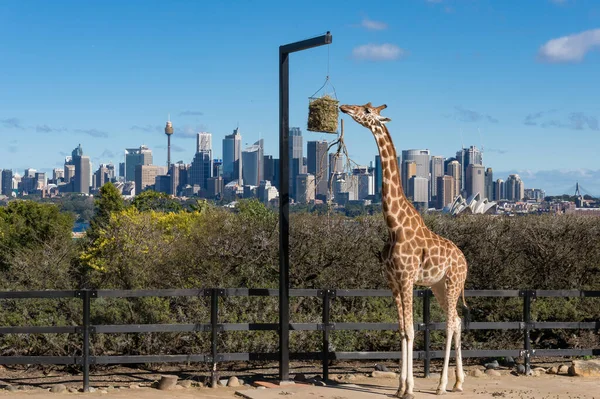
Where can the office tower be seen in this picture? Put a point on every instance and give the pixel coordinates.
(122, 169)
(419, 190)
(82, 178)
(378, 177)
(515, 188)
(145, 176)
(162, 184)
(365, 181)
(217, 168)
(489, 184)
(40, 180)
(203, 142)
(475, 180)
(446, 191)
(174, 181)
(266, 192)
(437, 170)
(499, 190)
(454, 169)
(103, 175)
(201, 169)
(232, 157)
(305, 188)
(317, 165)
(253, 158)
(535, 194)
(269, 169)
(214, 186)
(409, 169)
(296, 156)
(29, 172)
(466, 157)
(7, 182)
(58, 174)
(135, 157)
(421, 159)
(169, 133)
(336, 163)
(275, 182)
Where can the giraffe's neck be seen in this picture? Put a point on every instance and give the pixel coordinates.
(396, 207)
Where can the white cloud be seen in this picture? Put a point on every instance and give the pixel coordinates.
(571, 48)
(378, 52)
(373, 25)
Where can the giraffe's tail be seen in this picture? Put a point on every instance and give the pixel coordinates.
(465, 311)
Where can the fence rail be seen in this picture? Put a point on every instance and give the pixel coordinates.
(325, 327)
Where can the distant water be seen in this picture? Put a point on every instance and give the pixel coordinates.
(80, 227)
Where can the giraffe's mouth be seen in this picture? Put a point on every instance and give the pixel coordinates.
(346, 109)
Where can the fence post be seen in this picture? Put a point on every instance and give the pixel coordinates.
(86, 296)
(325, 348)
(426, 321)
(214, 311)
(527, 294)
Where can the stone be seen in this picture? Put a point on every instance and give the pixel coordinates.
(134, 386)
(492, 365)
(11, 388)
(476, 373)
(261, 387)
(520, 369)
(381, 367)
(233, 382)
(300, 377)
(493, 373)
(92, 389)
(384, 374)
(563, 369)
(585, 368)
(177, 386)
(185, 383)
(223, 382)
(167, 382)
(102, 391)
(509, 361)
(73, 390)
(349, 377)
(58, 388)
(552, 370)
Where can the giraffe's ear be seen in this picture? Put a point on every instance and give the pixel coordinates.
(384, 119)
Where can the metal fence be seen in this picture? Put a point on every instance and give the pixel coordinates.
(325, 327)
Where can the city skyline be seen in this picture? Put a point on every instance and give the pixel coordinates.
(473, 73)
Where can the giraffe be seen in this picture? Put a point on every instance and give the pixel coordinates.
(414, 255)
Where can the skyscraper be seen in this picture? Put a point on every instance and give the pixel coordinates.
(454, 169)
(466, 157)
(446, 191)
(317, 165)
(418, 190)
(409, 169)
(7, 182)
(82, 178)
(378, 176)
(422, 162)
(499, 190)
(515, 188)
(437, 170)
(306, 188)
(253, 158)
(489, 184)
(269, 169)
(232, 157)
(475, 180)
(296, 157)
(202, 165)
(145, 175)
(134, 157)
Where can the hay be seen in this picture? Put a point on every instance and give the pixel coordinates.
(323, 114)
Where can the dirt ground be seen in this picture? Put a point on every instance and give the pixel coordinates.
(353, 378)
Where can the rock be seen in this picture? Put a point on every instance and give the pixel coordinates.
(223, 383)
(349, 377)
(508, 361)
(493, 373)
(261, 387)
(585, 368)
(134, 385)
(92, 389)
(520, 369)
(233, 382)
(177, 386)
(300, 377)
(167, 382)
(381, 367)
(25, 387)
(384, 374)
(58, 388)
(492, 365)
(242, 382)
(11, 388)
(102, 391)
(476, 373)
(552, 370)
(563, 369)
(185, 383)
(73, 390)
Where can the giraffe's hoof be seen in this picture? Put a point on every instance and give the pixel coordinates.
(440, 391)
(399, 393)
(408, 396)
(457, 388)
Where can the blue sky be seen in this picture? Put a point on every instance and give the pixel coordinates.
(106, 74)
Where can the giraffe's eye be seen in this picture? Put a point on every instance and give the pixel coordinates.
(367, 111)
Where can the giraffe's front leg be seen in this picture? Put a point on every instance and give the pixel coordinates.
(403, 367)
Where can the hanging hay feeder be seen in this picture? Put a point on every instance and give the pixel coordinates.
(323, 114)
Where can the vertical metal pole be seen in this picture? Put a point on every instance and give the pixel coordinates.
(325, 348)
(214, 312)
(86, 340)
(284, 217)
(527, 320)
(426, 321)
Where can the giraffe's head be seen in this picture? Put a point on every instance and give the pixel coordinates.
(367, 115)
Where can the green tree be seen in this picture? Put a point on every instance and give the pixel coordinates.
(108, 201)
(155, 201)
